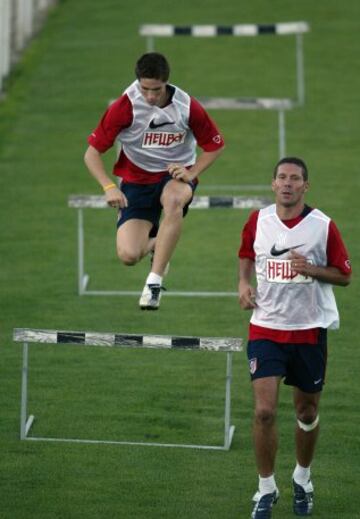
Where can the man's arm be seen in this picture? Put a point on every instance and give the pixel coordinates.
(331, 275)
(208, 139)
(246, 290)
(203, 161)
(94, 163)
(117, 117)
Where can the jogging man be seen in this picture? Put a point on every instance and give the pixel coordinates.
(158, 125)
(297, 254)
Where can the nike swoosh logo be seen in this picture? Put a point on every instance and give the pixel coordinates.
(153, 125)
(275, 252)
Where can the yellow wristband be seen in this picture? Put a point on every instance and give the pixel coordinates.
(109, 186)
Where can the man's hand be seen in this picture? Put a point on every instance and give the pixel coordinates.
(116, 198)
(179, 172)
(300, 264)
(246, 296)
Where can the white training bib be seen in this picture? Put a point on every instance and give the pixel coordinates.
(286, 300)
(158, 136)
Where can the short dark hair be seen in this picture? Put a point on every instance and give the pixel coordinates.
(152, 65)
(297, 162)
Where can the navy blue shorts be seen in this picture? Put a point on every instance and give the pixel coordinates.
(301, 365)
(144, 202)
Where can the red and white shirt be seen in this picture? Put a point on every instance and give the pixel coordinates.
(152, 137)
(281, 293)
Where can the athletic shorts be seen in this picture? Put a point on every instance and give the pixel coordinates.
(144, 202)
(301, 365)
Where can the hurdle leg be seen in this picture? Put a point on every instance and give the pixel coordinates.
(229, 429)
(150, 44)
(25, 423)
(300, 70)
(282, 135)
(83, 278)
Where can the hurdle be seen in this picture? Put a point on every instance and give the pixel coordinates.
(150, 31)
(228, 345)
(81, 202)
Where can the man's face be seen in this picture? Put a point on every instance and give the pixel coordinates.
(289, 185)
(154, 91)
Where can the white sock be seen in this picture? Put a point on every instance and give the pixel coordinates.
(154, 279)
(267, 485)
(301, 474)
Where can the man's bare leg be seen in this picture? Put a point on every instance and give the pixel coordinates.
(306, 406)
(266, 391)
(133, 242)
(175, 196)
(306, 434)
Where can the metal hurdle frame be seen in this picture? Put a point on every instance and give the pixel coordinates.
(229, 345)
(81, 202)
(150, 31)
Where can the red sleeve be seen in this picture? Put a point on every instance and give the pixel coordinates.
(117, 117)
(336, 251)
(248, 237)
(203, 127)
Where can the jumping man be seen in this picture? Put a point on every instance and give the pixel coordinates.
(158, 125)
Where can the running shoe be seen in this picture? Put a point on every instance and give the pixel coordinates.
(150, 297)
(303, 498)
(264, 504)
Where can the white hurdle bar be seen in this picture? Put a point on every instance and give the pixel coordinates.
(229, 345)
(81, 202)
(150, 31)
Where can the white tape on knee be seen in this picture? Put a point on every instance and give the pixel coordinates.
(307, 427)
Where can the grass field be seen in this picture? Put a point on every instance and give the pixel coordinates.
(83, 58)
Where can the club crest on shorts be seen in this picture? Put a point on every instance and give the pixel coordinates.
(253, 365)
